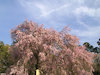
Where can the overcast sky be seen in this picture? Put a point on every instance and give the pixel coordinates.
(82, 16)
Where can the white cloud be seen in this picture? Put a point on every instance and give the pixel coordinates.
(46, 8)
(82, 23)
(83, 10)
(92, 32)
(90, 35)
(44, 11)
(71, 10)
(43, 8)
(97, 12)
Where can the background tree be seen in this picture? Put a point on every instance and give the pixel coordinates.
(90, 48)
(52, 52)
(96, 64)
(96, 59)
(98, 42)
(5, 60)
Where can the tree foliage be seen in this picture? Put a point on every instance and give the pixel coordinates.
(96, 59)
(52, 52)
(96, 64)
(90, 48)
(5, 61)
(98, 42)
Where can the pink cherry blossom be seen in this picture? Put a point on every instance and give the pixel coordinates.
(55, 53)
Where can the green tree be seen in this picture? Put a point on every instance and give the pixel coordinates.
(98, 42)
(89, 47)
(4, 57)
(96, 59)
(96, 64)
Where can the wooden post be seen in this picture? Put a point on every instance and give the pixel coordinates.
(37, 72)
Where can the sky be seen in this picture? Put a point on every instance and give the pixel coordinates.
(82, 16)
